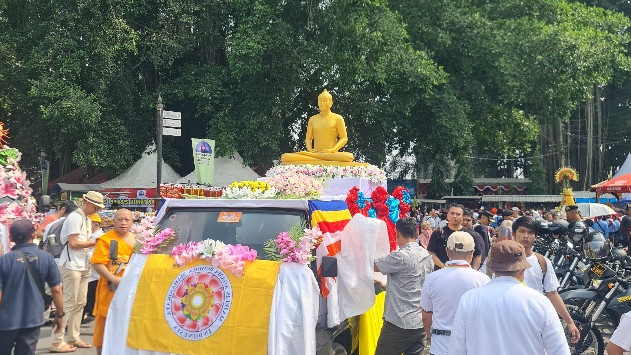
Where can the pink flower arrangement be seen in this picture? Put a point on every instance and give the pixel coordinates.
(14, 185)
(185, 253)
(294, 246)
(233, 258)
(296, 184)
(370, 172)
(228, 257)
(156, 241)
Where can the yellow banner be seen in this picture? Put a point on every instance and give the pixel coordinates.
(202, 310)
(370, 324)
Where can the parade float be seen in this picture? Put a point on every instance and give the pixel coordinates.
(16, 200)
(283, 265)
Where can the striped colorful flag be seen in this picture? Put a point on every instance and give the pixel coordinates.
(331, 217)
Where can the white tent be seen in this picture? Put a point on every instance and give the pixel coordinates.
(625, 168)
(227, 171)
(142, 175)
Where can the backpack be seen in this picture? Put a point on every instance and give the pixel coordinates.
(55, 231)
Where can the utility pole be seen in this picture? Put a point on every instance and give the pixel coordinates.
(159, 108)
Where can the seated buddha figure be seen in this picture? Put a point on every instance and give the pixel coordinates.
(326, 135)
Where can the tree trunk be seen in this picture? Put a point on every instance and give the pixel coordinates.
(599, 149)
(589, 153)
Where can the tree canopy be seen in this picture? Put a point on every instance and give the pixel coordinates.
(442, 80)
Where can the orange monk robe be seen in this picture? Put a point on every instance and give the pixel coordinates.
(103, 293)
(102, 256)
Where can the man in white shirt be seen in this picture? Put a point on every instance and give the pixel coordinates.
(74, 267)
(505, 316)
(525, 231)
(621, 339)
(443, 288)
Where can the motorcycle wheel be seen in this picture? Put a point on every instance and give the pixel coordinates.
(593, 343)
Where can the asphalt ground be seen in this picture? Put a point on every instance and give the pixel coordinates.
(45, 339)
(87, 331)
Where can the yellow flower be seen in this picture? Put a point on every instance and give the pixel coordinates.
(198, 301)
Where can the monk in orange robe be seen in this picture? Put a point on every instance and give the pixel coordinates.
(107, 268)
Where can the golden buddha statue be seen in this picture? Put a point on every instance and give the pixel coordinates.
(326, 135)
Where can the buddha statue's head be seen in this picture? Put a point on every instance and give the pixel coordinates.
(325, 101)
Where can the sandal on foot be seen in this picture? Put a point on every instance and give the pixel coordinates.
(62, 348)
(80, 344)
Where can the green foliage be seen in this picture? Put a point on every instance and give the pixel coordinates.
(538, 178)
(79, 79)
(463, 181)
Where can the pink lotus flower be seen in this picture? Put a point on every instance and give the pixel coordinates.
(7, 189)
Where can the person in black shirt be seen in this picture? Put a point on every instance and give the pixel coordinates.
(622, 237)
(438, 241)
(467, 224)
(483, 230)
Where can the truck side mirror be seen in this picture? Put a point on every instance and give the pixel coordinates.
(114, 250)
(329, 266)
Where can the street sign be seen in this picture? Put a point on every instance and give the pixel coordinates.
(172, 114)
(167, 131)
(171, 123)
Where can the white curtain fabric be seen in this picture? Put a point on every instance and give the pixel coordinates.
(294, 313)
(363, 239)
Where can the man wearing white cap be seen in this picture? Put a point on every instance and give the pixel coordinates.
(443, 288)
(74, 267)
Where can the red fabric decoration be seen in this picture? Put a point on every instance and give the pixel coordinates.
(351, 201)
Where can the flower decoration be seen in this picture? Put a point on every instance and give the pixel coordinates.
(233, 258)
(381, 206)
(249, 190)
(291, 184)
(294, 246)
(156, 241)
(185, 253)
(15, 187)
(322, 173)
(209, 248)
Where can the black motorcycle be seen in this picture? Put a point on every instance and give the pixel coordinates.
(608, 295)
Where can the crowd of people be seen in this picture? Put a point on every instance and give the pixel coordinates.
(469, 282)
(74, 252)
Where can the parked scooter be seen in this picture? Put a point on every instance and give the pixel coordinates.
(608, 294)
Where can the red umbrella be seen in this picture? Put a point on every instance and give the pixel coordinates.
(618, 184)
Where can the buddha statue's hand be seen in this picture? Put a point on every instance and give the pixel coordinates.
(312, 150)
(329, 151)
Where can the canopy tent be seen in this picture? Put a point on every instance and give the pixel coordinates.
(227, 171)
(620, 184)
(625, 168)
(142, 175)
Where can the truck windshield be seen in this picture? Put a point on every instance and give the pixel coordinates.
(251, 227)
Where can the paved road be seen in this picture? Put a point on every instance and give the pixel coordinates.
(87, 331)
(45, 340)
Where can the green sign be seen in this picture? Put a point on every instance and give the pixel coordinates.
(204, 156)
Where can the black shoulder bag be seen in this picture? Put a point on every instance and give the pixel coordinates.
(35, 277)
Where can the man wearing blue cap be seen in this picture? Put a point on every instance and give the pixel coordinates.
(22, 274)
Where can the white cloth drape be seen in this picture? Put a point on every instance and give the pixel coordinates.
(363, 239)
(294, 313)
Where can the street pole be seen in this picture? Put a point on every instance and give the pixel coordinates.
(159, 108)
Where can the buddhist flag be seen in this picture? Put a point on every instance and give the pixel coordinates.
(331, 217)
(201, 309)
(204, 158)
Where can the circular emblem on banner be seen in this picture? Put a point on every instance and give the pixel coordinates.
(203, 147)
(198, 302)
